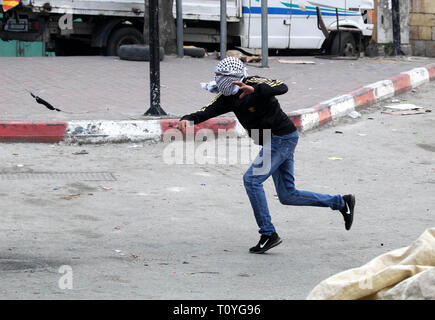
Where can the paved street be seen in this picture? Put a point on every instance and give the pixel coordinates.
(107, 88)
(150, 230)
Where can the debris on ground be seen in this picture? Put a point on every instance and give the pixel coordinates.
(204, 272)
(403, 106)
(335, 158)
(296, 61)
(354, 114)
(407, 112)
(71, 196)
(81, 152)
(243, 274)
(120, 252)
(241, 56)
(404, 109)
(399, 100)
(194, 52)
(44, 103)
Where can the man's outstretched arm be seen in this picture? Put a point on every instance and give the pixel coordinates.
(214, 109)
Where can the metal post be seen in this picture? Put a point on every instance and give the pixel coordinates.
(396, 27)
(264, 35)
(338, 32)
(223, 34)
(155, 109)
(180, 40)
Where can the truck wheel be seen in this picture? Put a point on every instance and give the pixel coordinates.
(138, 52)
(122, 36)
(346, 48)
(194, 51)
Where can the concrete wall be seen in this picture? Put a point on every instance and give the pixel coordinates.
(422, 27)
(384, 26)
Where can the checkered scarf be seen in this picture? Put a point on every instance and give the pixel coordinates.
(229, 69)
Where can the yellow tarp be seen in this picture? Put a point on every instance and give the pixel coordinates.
(405, 273)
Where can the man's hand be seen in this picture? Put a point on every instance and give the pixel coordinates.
(245, 88)
(182, 126)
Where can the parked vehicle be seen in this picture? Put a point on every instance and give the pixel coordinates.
(107, 24)
(67, 25)
(292, 24)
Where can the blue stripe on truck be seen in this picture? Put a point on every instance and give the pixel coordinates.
(297, 12)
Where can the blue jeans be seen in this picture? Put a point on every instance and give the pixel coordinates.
(276, 159)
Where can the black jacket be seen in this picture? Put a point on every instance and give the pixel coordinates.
(259, 110)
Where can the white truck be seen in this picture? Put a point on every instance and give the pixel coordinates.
(292, 24)
(340, 26)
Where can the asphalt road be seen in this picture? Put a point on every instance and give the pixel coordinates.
(152, 230)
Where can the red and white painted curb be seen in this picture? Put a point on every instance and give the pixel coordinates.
(13, 131)
(95, 131)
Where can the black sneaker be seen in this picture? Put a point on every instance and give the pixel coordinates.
(266, 243)
(348, 209)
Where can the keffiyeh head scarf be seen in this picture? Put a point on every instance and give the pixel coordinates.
(228, 70)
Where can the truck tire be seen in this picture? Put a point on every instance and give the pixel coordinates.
(123, 36)
(137, 52)
(347, 48)
(194, 52)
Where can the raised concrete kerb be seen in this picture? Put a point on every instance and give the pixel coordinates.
(305, 119)
(418, 76)
(140, 130)
(333, 109)
(49, 132)
(99, 131)
(431, 69)
(382, 89)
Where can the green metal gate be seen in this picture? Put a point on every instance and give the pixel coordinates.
(18, 48)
